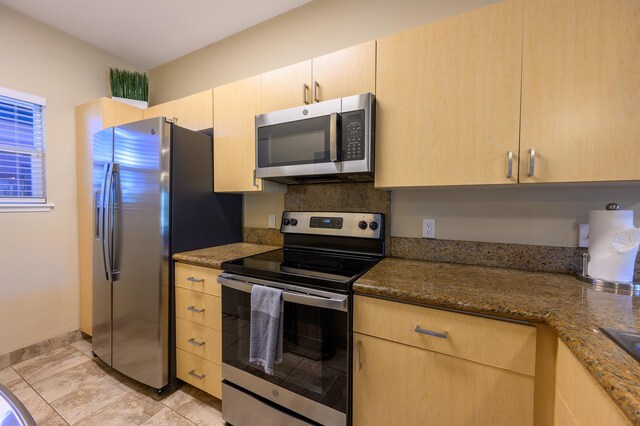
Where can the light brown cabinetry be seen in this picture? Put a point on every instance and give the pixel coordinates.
(91, 118)
(198, 328)
(194, 112)
(234, 144)
(481, 373)
(166, 109)
(347, 72)
(448, 100)
(580, 97)
(579, 400)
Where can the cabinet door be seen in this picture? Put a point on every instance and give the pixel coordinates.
(235, 107)
(580, 97)
(286, 87)
(398, 384)
(346, 72)
(448, 100)
(195, 112)
(166, 109)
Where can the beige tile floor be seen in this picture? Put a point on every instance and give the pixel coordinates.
(67, 386)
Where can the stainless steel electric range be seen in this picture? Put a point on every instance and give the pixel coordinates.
(323, 254)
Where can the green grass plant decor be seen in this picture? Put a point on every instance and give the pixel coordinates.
(129, 84)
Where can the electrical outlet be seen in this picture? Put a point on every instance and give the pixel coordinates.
(583, 235)
(428, 228)
(272, 221)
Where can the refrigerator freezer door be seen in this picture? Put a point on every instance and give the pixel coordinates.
(141, 251)
(101, 312)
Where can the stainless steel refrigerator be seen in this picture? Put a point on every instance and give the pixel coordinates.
(153, 196)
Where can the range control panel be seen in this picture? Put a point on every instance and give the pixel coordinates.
(363, 225)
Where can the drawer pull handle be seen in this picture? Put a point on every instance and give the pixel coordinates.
(194, 309)
(194, 342)
(443, 335)
(195, 280)
(192, 373)
(358, 356)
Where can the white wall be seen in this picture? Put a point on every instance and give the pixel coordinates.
(39, 284)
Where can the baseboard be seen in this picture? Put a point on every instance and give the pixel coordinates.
(32, 351)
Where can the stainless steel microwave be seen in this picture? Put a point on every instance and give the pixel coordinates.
(330, 141)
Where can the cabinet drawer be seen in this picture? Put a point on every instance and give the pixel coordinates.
(197, 307)
(492, 342)
(199, 372)
(204, 280)
(199, 340)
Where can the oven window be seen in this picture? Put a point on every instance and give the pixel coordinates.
(315, 361)
(298, 142)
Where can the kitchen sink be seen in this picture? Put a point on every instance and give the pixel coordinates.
(627, 340)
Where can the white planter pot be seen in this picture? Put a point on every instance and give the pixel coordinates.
(132, 102)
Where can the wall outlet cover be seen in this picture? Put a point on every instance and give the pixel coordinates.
(272, 221)
(428, 228)
(583, 235)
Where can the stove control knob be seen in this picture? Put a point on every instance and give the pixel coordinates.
(294, 222)
(362, 225)
(373, 225)
(285, 222)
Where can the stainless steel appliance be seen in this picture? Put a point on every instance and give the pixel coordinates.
(330, 141)
(153, 196)
(323, 254)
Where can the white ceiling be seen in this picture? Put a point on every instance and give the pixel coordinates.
(152, 32)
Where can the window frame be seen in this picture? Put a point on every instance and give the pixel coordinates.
(26, 204)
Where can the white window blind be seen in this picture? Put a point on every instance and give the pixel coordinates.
(22, 161)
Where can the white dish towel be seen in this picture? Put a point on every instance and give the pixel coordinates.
(266, 327)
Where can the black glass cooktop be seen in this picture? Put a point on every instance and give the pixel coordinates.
(317, 269)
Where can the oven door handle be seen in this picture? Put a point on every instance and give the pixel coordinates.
(299, 296)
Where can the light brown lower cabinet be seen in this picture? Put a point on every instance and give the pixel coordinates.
(198, 328)
(398, 384)
(579, 400)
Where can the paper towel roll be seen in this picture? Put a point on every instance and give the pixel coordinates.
(613, 244)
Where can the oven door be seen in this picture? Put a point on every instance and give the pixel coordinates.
(299, 141)
(313, 378)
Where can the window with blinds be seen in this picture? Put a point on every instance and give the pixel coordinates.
(22, 165)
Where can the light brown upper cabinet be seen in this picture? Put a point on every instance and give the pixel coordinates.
(234, 144)
(346, 72)
(166, 109)
(448, 101)
(581, 91)
(195, 112)
(91, 118)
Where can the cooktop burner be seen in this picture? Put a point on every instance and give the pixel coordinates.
(326, 250)
(313, 268)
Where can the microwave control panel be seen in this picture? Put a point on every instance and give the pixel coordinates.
(353, 134)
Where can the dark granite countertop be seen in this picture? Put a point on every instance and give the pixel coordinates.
(212, 257)
(573, 310)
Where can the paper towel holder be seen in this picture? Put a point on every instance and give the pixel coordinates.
(631, 288)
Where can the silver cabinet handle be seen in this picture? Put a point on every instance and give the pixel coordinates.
(194, 342)
(192, 373)
(333, 137)
(532, 162)
(305, 90)
(195, 280)
(194, 309)
(255, 179)
(509, 164)
(443, 335)
(316, 86)
(358, 350)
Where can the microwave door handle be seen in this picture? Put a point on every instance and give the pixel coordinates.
(336, 303)
(333, 137)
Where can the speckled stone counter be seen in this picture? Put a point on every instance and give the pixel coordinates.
(212, 257)
(573, 310)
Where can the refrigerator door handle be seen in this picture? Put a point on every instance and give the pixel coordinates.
(103, 217)
(108, 231)
(114, 236)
